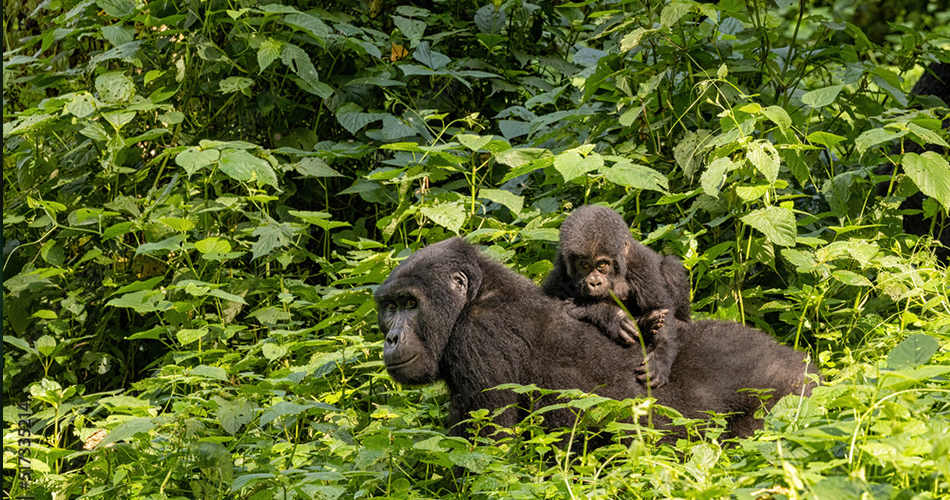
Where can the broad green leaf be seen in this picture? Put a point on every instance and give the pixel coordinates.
(187, 336)
(931, 173)
(752, 192)
(117, 8)
(450, 215)
(352, 117)
(473, 142)
(779, 117)
(82, 105)
(411, 28)
(178, 224)
(543, 234)
(510, 200)
(850, 278)
(429, 57)
(763, 156)
(45, 345)
(822, 97)
(232, 415)
(273, 351)
(715, 175)
(311, 24)
(115, 87)
(234, 84)
(281, 409)
(690, 150)
(912, 352)
(213, 245)
(128, 430)
(875, 136)
(571, 165)
(230, 297)
(315, 167)
(214, 372)
(268, 53)
(170, 244)
(300, 62)
(18, 342)
(148, 284)
(673, 12)
(636, 176)
(826, 139)
(776, 223)
(490, 19)
(142, 301)
(271, 236)
(119, 119)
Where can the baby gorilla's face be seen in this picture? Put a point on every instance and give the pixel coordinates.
(594, 275)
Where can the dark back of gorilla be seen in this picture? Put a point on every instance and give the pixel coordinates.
(450, 313)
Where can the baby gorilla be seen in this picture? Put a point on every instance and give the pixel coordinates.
(597, 256)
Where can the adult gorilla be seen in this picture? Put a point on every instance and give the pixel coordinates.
(450, 313)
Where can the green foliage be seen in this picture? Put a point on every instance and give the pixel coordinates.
(199, 198)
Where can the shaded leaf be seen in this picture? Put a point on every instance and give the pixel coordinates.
(776, 223)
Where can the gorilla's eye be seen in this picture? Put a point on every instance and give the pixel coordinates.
(411, 303)
(602, 265)
(390, 306)
(584, 266)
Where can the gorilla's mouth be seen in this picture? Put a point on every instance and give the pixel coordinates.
(401, 364)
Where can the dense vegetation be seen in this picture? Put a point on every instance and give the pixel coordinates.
(200, 197)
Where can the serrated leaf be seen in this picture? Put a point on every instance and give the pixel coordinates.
(763, 156)
(636, 176)
(912, 352)
(448, 215)
(690, 150)
(299, 61)
(117, 8)
(822, 97)
(776, 223)
(268, 52)
(510, 200)
(931, 173)
(875, 136)
(673, 12)
(270, 236)
(490, 20)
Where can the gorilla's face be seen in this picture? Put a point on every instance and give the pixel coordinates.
(593, 275)
(418, 305)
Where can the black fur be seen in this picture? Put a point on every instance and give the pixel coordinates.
(450, 313)
(650, 285)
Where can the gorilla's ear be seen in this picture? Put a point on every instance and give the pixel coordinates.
(460, 282)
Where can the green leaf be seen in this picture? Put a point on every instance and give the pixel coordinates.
(510, 200)
(148, 284)
(178, 224)
(715, 175)
(776, 223)
(128, 430)
(271, 236)
(826, 139)
(234, 84)
(268, 53)
(931, 173)
(413, 29)
(449, 215)
(45, 345)
(432, 59)
(914, 351)
(851, 278)
(232, 415)
(779, 117)
(187, 336)
(473, 142)
(22, 344)
(636, 176)
(543, 234)
(822, 97)
(572, 165)
(117, 8)
(170, 244)
(764, 158)
(115, 87)
(312, 25)
(352, 117)
(690, 150)
(875, 136)
(213, 245)
(214, 372)
(673, 12)
(142, 301)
